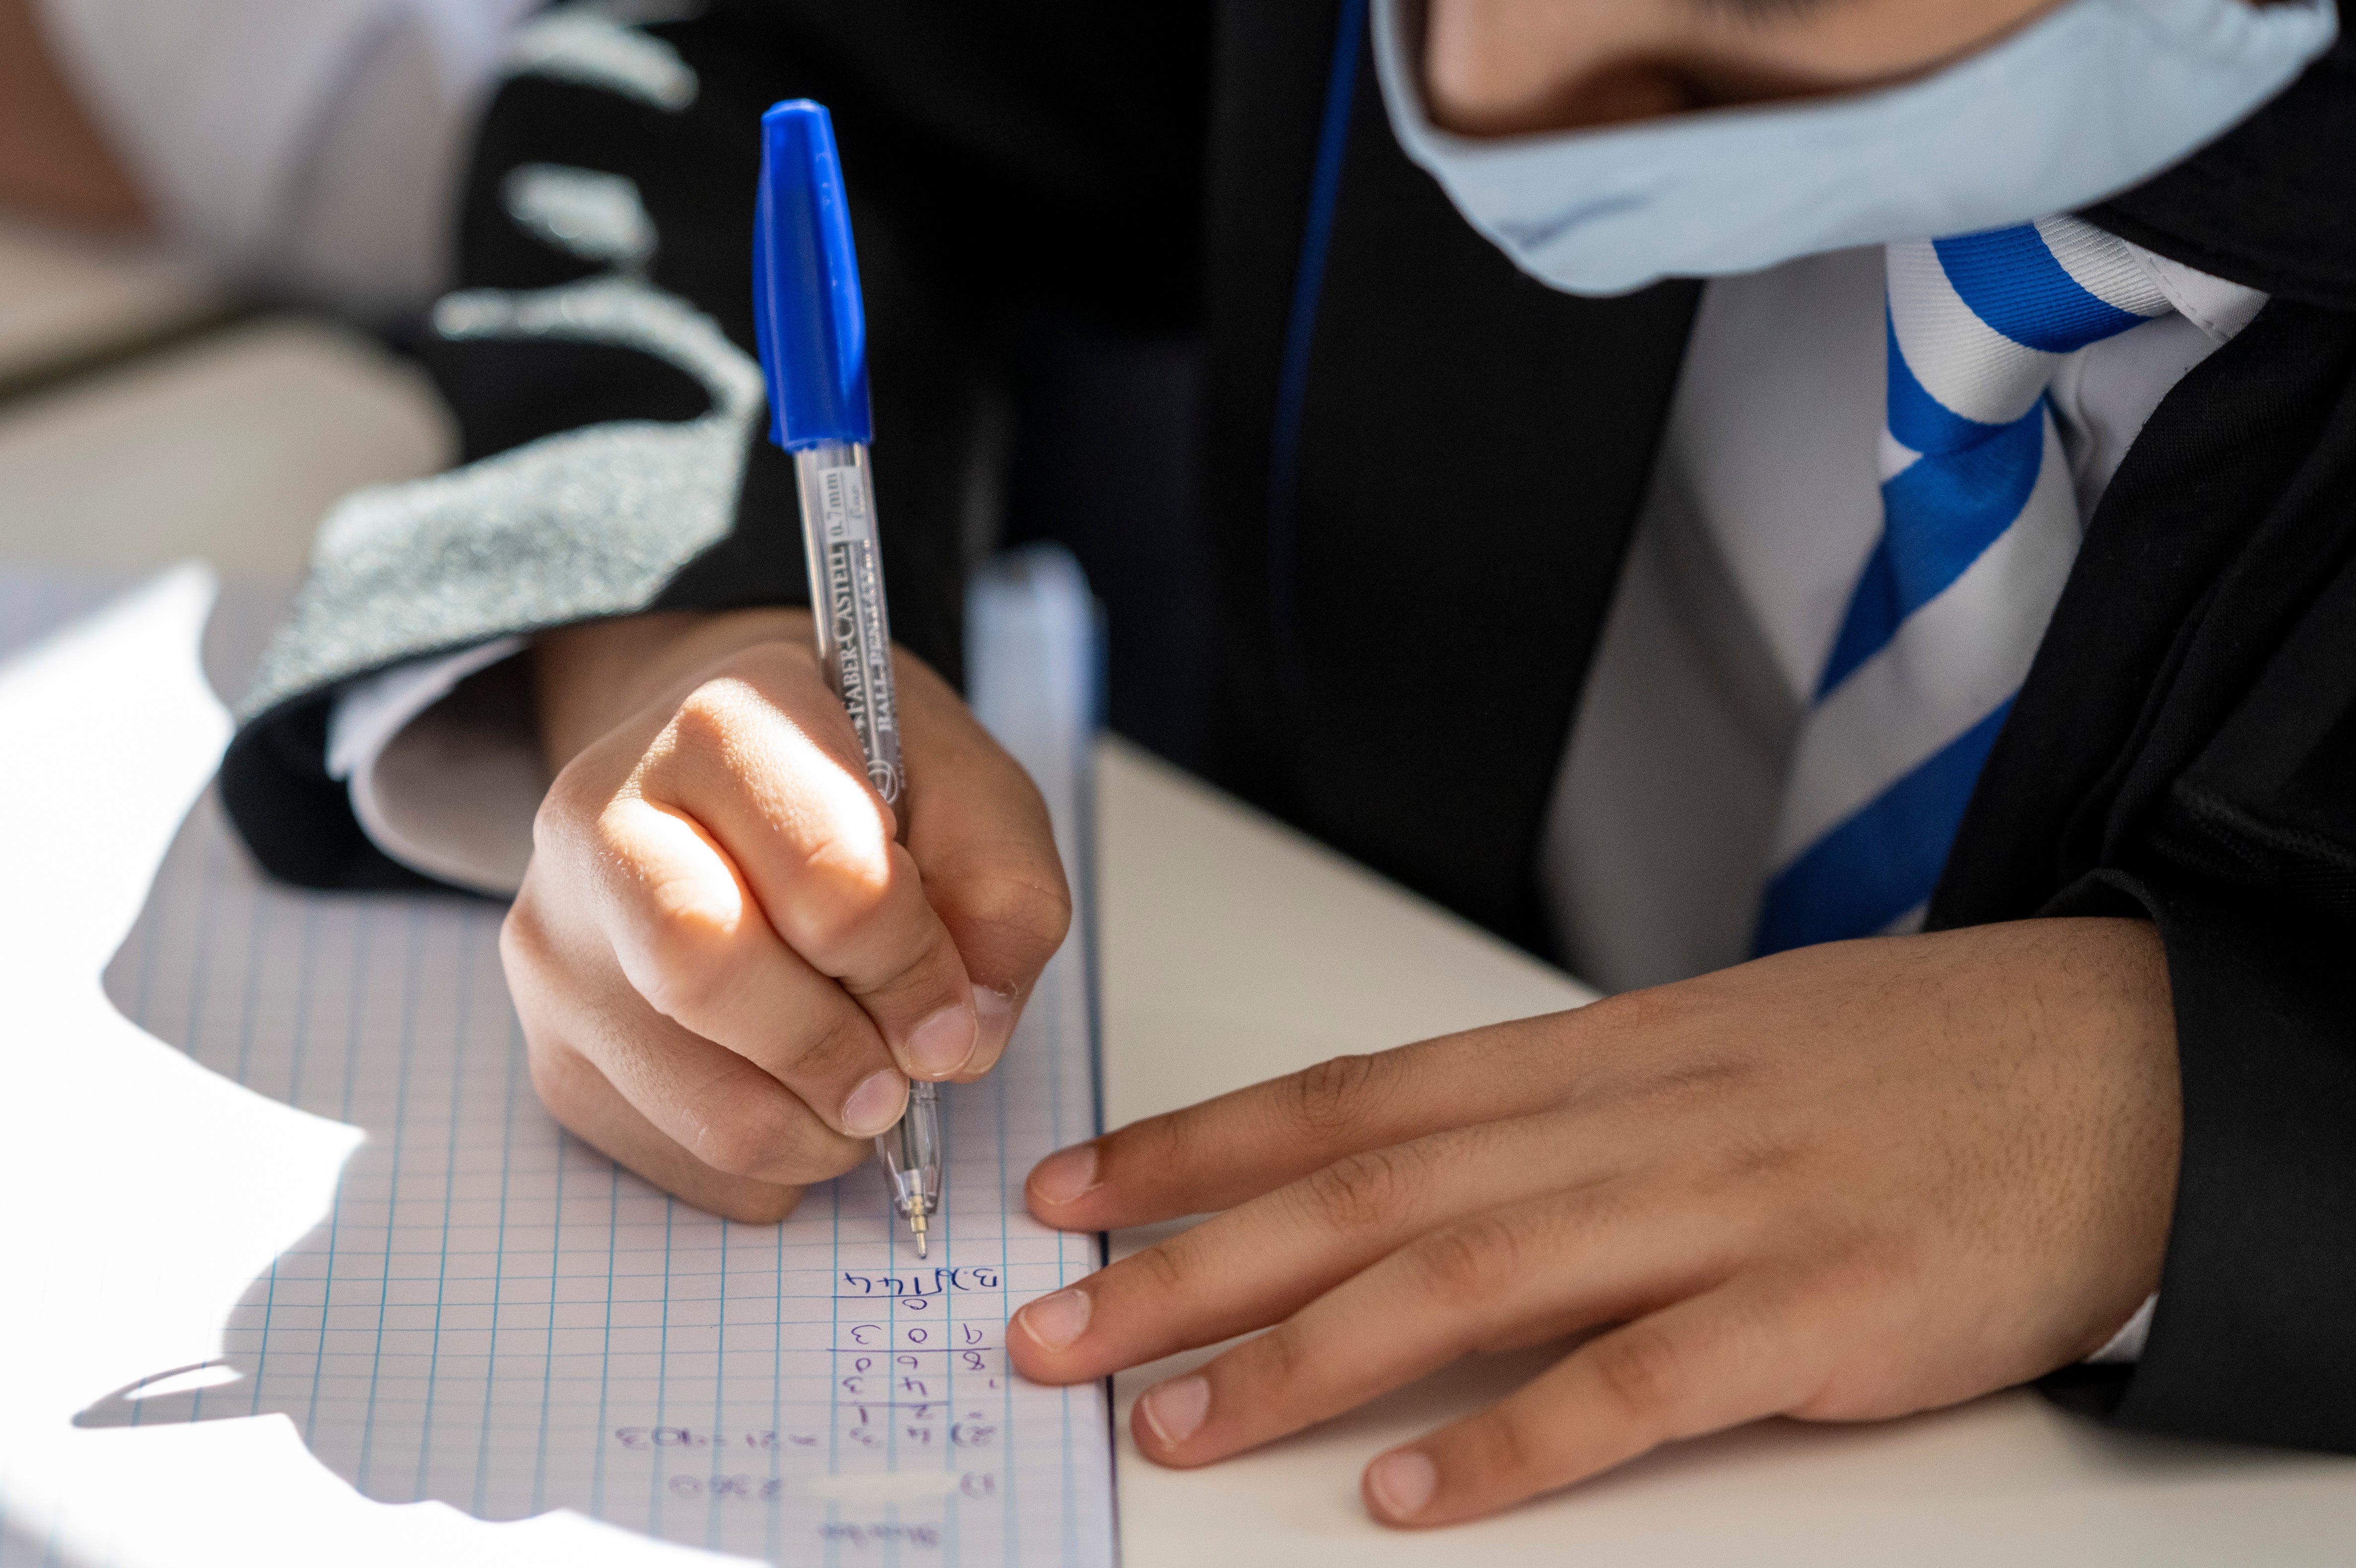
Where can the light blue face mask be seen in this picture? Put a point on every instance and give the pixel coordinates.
(2078, 106)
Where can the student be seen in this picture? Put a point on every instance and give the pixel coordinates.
(1999, 587)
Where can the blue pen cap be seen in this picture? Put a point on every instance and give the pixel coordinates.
(807, 311)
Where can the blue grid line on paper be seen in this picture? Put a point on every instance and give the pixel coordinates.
(662, 1380)
(142, 1009)
(207, 897)
(605, 1362)
(411, 943)
(712, 1518)
(306, 966)
(773, 1526)
(459, 1053)
(355, 991)
(500, 1273)
(548, 1366)
(250, 992)
(253, 948)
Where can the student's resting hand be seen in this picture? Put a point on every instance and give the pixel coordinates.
(1844, 1183)
(723, 964)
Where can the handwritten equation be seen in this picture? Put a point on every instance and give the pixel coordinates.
(916, 1291)
(918, 1395)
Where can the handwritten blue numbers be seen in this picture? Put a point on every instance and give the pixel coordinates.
(916, 1291)
(918, 1383)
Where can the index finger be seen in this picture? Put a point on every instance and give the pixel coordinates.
(1226, 1151)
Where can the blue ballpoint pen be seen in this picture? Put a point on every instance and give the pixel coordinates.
(812, 328)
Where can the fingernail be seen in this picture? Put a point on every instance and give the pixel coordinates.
(1057, 1320)
(994, 1012)
(1065, 1174)
(1176, 1409)
(875, 1103)
(1403, 1482)
(943, 1041)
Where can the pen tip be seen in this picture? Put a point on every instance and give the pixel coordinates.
(920, 1244)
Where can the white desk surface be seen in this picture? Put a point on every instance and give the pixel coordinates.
(1233, 950)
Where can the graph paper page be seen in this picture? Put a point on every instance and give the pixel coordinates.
(495, 1317)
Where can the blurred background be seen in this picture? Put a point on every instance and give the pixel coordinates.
(190, 354)
(219, 218)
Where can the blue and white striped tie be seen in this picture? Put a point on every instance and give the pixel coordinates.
(1979, 526)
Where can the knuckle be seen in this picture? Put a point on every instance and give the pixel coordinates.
(835, 1045)
(1759, 1157)
(688, 976)
(815, 1156)
(1330, 1098)
(1150, 1150)
(685, 938)
(1640, 1370)
(1165, 1267)
(1361, 1190)
(1284, 1354)
(714, 733)
(730, 1148)
(746, 1142)
(1022, 915)
(1471, 1259)
(570, 801)
(708, 716)
(840, 899)
(1876, 1268)
(920, 969)
(1512, 1445)
(523, 938)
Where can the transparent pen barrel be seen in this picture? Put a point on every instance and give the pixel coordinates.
(912, 1152)
(846, 574)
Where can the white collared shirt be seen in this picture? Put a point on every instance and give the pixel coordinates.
(1764, 504)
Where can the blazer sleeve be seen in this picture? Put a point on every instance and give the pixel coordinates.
(2250, 877)
(598, 355)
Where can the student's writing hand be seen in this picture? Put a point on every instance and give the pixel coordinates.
(725, 965)
(1843, 1183)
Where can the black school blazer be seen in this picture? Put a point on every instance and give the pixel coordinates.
(1402, 437)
